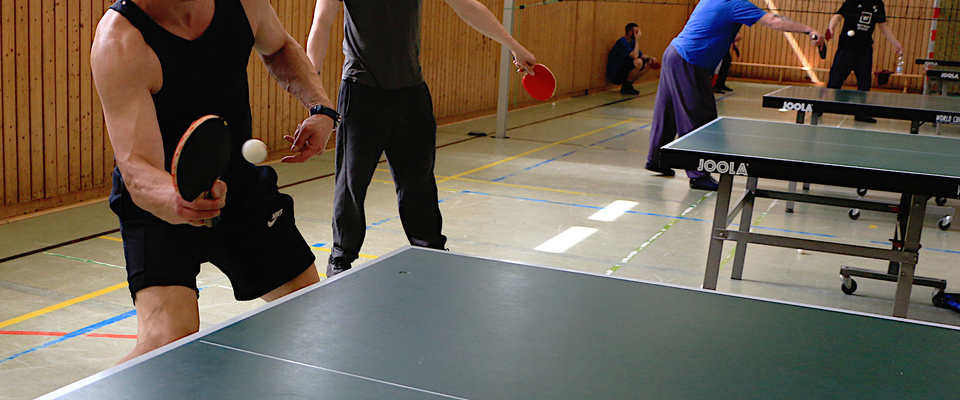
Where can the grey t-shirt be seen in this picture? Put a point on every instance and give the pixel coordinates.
(381, 42)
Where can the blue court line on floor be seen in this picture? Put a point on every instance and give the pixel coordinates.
(567, 154)
(81, 331)
(643, 213)
(725, 96)
(74, 334)
(925, 248)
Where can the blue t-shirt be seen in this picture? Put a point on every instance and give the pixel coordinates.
(620, 56)
(707, 36)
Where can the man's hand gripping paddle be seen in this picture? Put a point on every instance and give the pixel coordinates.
(541, 86)
(202, 155)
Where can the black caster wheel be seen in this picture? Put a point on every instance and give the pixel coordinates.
(854, 214)
(849, 290)
(941, 201)
(944, 223)
(861, 192)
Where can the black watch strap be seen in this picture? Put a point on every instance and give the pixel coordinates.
(333, 114)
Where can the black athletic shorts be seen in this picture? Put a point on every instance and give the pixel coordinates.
(622, 73)
(257, 245)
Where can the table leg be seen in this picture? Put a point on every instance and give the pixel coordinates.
(800, 117)
(719, 222)
(915, 127)
(792, 188)
(911, 243)
(746, 218)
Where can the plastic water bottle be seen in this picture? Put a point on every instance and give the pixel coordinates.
(899, 63)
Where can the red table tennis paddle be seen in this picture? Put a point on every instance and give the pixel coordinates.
(202, 155)
(542, 85)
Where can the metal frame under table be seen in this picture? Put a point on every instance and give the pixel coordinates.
(917, 167)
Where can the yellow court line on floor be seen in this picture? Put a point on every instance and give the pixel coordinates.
(317, 248)
(500, 184)
(55, 307)
(367, 256)
(531, 151)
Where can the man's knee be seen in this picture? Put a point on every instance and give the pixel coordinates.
(165, 314)
(306, 278)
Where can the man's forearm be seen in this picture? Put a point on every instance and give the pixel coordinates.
(481, 19)
(781, 23)
(319, 37)
(295, 73)
(834, 20)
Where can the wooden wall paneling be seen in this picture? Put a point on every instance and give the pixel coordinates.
(583, 74)
(282, 105)
(73, 94)
(98, 159)
(62, 84)
(23, 103)
(36, 99)
(49, 98)
(8, 131)
(86, 109)
(2, 154)
(283, 98)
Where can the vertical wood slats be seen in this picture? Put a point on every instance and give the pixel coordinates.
(909, 21)
(54, 149)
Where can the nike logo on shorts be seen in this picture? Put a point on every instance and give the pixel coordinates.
(273, 219)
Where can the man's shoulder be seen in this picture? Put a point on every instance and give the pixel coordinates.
(116, 34)
(118, 48)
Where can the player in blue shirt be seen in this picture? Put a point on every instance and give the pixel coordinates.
(626, 63)
(685, 99)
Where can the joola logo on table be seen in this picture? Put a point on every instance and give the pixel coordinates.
(797, 106)
(949, 75)
(723, 167)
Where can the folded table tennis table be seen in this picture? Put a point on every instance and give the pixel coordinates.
(426, 324)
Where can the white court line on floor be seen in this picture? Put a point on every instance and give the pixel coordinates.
(566, 239)
(613, 211)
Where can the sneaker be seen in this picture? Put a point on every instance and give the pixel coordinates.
(725, 88)
(865, 118)
(657, 169)
(336, 266)
(704, 183)
(628, 89)
(718, 90)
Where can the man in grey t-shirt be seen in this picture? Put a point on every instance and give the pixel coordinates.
(386, 108)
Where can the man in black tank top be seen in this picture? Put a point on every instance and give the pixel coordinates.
(158, 65)
(387, 109)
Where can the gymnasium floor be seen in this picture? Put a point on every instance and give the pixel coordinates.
(67, 313)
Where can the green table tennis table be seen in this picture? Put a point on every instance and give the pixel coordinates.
(916, 108)
(917, 167)
(427, 324)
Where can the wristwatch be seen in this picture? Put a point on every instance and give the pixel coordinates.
(333, 114)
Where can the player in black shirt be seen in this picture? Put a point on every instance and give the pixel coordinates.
(855, 47)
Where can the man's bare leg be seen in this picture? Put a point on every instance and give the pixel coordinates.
(306, 278)
(164, 314)
(639, 69)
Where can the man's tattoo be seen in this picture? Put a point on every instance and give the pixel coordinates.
(782, 17)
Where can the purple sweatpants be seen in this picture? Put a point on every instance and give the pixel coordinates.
(684, 103)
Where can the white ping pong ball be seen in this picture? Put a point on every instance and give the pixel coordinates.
(850, 32)
(254, 151)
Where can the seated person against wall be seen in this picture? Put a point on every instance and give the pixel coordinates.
(626, 63)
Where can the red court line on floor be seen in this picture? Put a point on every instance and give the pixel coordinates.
(98, 335)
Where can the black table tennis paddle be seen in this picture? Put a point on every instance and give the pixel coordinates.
(202, 155)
